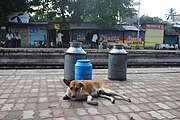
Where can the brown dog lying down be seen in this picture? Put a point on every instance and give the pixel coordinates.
(87, 89)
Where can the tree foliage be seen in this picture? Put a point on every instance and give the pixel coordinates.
(146, 19)
(8, 6)
(171, 14)
(103, 12)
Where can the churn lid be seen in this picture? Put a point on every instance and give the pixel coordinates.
(75, 47)
(118, 49)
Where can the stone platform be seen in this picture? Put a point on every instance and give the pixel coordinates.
(36, 95)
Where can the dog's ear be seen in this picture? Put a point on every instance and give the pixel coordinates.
(67, 82)
(81, 84)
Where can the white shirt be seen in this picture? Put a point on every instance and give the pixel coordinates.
(95, 37)
(17, 36)
(9, 36)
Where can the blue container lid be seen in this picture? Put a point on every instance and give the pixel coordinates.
(83, 61)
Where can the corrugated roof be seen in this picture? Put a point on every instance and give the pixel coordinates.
(39, 23)
(115, 27)
(171, 31)
(177, 30)
(83, 26)
(79, 26)
(142, 29)
(134, 28)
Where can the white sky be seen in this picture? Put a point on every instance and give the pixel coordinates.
(158, 8)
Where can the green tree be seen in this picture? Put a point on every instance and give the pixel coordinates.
(8, 6)
(42, 11)
(78, 10)
(102, 12)
(146, 19)
(52, 10)
(171, 14)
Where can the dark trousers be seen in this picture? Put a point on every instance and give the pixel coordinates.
(18, 43)
(9, 44)
(13, 43)
(59, 45)
(93, 45)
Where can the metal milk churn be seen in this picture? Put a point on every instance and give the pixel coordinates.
(117, 63)
(73, 53)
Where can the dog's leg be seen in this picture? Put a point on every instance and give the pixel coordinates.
(122, 96)
(89, 100)
(112, 93)
(107, 97)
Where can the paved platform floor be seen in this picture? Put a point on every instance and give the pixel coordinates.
(36, 95)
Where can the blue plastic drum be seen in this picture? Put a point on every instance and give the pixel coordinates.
(83, 70)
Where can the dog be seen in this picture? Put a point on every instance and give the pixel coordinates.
(87, 89)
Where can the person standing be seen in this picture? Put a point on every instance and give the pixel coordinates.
(101, 42)
(51, 44)
(59, 39)
(17, 38)
(94, 40)
(9, 38)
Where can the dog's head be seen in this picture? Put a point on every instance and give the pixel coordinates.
(74, 88)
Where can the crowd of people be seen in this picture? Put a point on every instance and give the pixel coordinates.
(11, 41)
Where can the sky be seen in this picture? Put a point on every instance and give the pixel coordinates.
(158, 8)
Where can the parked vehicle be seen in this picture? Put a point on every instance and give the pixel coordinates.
(166, 46)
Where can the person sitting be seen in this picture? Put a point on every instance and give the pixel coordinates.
(9, 38)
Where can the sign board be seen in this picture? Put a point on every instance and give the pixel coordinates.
(3, 27)
(154, 26)
(19, 17)
(79, 36)
(57, 26)
(111, 36)
(134, 41)
(131, 37)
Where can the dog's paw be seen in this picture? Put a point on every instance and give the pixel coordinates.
(93, 103)
(101, 92)
(113, 101)
(131, 118)
(65, 97)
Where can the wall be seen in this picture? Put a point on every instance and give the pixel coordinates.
(37, 34)
(153, 37)
(23, 31)
(131, 37)
(111, 36)
(154, 34)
